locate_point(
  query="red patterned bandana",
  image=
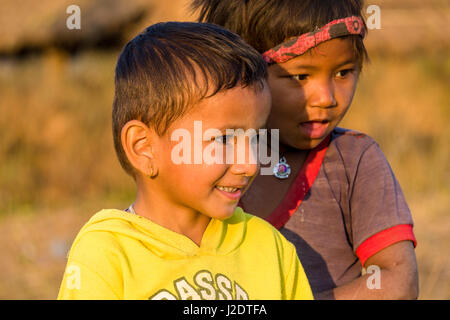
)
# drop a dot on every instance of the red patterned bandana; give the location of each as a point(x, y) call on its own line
point(299, 45)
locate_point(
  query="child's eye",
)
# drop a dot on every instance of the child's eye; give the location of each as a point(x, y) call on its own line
point(344, 73)
point(299, 77)
point(225, 139)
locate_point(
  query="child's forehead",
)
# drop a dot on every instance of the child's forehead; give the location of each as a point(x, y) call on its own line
point(335, 52)
point(234, 108)
point(299, 45)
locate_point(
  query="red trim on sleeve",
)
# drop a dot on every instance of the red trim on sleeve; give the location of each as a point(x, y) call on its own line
point(301, 185)
point(383, 239)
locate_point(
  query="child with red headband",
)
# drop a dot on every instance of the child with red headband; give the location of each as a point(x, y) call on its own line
point(333, 193)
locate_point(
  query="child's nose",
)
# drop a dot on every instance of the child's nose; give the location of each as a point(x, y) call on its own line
point(246, 163)
point(322, 94)
point(244, 169)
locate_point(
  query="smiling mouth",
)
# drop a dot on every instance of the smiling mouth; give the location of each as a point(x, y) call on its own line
point(227, 189)
point(232, 193)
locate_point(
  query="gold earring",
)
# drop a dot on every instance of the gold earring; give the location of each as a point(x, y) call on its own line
point(152, 174)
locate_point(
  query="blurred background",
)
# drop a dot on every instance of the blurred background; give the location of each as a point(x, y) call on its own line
point(57, 162)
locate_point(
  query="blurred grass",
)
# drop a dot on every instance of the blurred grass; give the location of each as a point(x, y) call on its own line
point(404, 103)
point(56, 141)
point(58, 165)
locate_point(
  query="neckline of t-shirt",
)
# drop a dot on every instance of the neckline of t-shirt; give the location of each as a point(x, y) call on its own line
point(213, 239)
point(301, 185)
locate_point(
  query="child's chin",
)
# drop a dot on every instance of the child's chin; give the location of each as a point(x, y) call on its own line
point(306, 144)
point(224, 213)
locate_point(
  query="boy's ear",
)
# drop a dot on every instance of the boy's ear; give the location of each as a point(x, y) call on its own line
point(137, 140)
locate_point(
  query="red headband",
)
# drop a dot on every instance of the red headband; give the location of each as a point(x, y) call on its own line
point(299, 45)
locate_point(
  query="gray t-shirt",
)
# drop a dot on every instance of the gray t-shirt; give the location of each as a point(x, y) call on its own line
point(354, 197)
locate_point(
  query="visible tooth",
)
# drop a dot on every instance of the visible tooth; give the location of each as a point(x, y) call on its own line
point(227, 189)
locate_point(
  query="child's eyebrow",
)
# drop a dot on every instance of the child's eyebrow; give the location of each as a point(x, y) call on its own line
point(305, 66)
point(235, 127)
point(348, 61)
point(225, 127)
point(301, 66)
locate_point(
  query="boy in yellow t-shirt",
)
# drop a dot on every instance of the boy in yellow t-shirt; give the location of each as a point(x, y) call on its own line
point(184, 237)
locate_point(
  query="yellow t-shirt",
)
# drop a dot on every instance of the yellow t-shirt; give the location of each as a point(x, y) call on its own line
point(119, 255)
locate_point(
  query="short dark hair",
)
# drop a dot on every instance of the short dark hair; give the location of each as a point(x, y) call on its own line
point(170, 67)
point(265, 24)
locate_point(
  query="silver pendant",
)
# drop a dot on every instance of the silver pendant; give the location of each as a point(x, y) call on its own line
point(282, 170)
